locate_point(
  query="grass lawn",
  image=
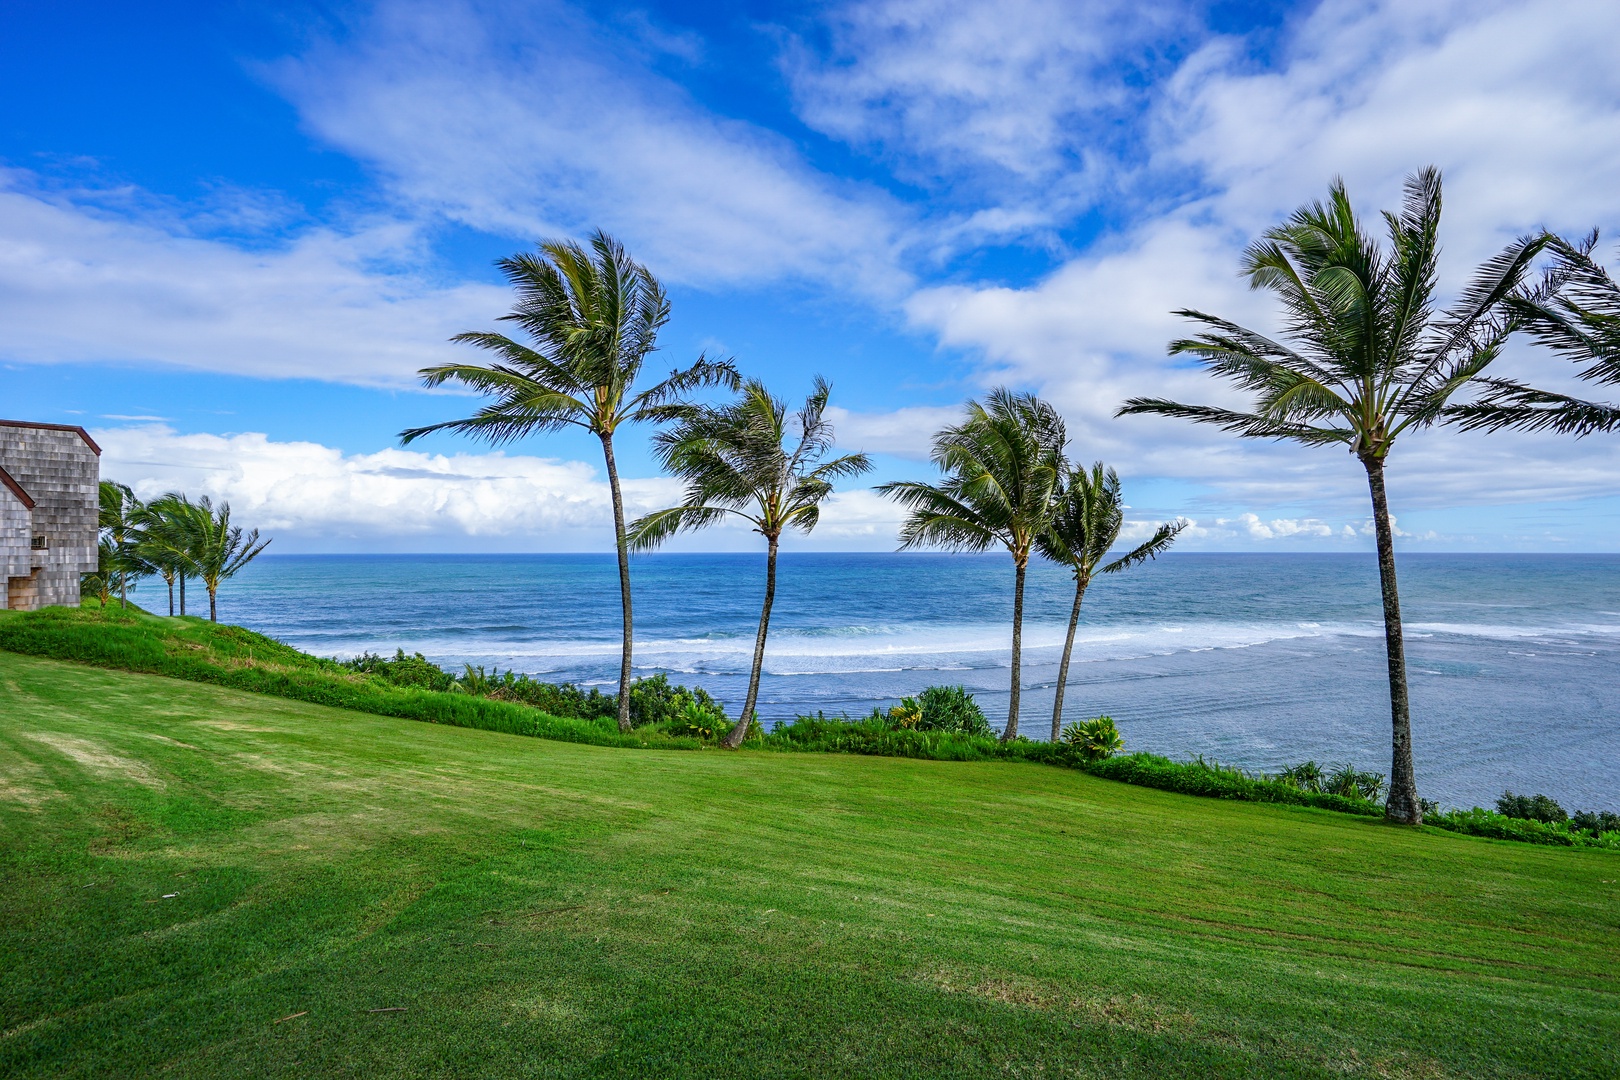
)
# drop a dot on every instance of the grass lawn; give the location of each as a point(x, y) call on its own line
point(181, 866)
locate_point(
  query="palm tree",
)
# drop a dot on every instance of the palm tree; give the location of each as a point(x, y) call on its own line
point(165, 540)
point(736, 461)
point(1365, 358)
point(1582, 322)
point(1003, 468)
point(593, 319)
point(215, 549)
point(1090, 513)
point(119, 519)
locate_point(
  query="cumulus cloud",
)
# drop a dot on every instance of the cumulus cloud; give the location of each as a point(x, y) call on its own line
point(316, 497)
point(1516, 102)
point(78, 283)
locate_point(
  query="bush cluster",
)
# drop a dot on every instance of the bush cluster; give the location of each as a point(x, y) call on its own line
point(654, 701)
point(1543, 809)
point(1345, 780)
point(938, 708)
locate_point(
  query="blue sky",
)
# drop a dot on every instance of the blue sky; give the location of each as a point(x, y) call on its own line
point(230, 235)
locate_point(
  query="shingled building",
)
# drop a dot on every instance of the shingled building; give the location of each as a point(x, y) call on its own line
point(50, 478)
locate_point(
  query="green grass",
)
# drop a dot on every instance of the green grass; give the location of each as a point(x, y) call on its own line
point(544, 908)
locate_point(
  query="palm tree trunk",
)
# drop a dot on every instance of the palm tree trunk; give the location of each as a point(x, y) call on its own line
point(1068, 650)
point(1011, 730)
point(213, 612)
point(740, 732)
point(624, 580)
point(1403, 805)
point(170, 581)
point(182, 594)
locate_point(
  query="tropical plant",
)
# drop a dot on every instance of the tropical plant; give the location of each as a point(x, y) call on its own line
point(1003, 467)
point(1346, 780)
point(1096, 738)
point(951, 708)
point(907, 714)
point(1085, 526)
point(1365, 357)
point(101, 583)
point(1580, 321)
point(167, 530)
point(217, 550)
point(736, 461)
point(1307, 776)
point(593, 318)
point(119, 518)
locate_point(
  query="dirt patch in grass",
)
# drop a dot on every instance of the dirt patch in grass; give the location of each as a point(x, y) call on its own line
point(95, 757)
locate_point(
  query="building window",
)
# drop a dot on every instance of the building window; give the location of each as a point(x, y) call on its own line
point(40, 544)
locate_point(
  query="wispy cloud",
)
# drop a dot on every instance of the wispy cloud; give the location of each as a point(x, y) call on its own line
point(78, 283)
point(526, 121)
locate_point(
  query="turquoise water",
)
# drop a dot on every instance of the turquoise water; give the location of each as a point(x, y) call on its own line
point(1258, 660)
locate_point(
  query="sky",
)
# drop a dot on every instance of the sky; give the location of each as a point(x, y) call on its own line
point(231, 233)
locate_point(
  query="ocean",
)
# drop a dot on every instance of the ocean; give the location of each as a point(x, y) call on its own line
point(1256, 660)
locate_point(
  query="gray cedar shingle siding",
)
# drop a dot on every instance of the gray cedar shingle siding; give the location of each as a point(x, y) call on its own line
point(59, 469)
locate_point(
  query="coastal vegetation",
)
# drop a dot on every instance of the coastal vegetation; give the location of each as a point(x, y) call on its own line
point(197, 881)
point(170, 537)
point(1003, 466)
point(593, 320)
point(1366, 357)
point(735, 461)
point(1085, 527)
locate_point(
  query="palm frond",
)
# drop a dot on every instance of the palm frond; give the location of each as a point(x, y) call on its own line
point(1513, 405)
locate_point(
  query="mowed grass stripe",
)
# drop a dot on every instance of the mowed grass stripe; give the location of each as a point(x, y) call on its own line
point(555, 909)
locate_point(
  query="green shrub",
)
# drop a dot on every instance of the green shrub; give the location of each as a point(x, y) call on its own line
point(951, 708)
point(415, 670)
point(1345, 780)
point(1530, 808)
point(1596, 822)
point(1307, 776)
point(1095, 739)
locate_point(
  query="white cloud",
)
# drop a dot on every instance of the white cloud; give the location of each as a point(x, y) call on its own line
point(316, 497)
point(946, 89)
point(906, 432)
point(1519, 104)
point(77, 284)
point(528, 122)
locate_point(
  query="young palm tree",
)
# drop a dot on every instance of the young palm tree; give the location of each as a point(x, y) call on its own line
point(1090, 513)
point(1365, 358)
point(217, 550)
point(1003, 468)
point(119, 520)
point(736, 460)
point(1582, 322)
point(164, 542)
point(593, 318)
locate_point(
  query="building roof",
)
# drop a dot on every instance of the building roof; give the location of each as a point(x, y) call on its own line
point(83, 434)
point(15, 488)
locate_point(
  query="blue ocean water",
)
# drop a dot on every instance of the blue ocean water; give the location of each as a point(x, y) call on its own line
point(1257, 660)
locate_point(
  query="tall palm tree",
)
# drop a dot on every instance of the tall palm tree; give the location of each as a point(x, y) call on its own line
point(593, 319)
point(1365, 357)
point(218, 550)
point(1581, 321)
point(1090, 514)
point(119, 519)
point(736, 460)
point(1003, 467)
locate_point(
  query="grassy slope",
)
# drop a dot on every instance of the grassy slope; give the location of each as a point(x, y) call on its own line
point(551, 909)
